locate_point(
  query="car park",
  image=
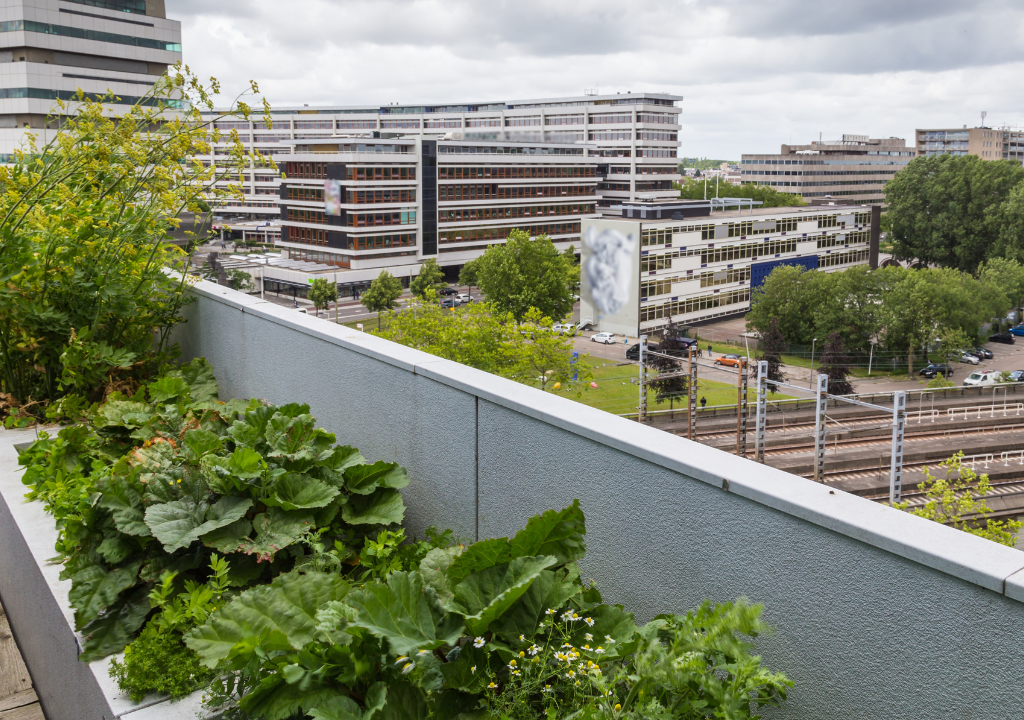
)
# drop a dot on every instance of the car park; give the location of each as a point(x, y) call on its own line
point(603, 337)
point(730, 360)
point(983, 377)
point(1003, 337)
point(932, 370)
point(965, 357)
point(981, 353)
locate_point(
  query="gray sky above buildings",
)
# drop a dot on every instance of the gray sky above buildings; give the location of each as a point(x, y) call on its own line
point(755, 73)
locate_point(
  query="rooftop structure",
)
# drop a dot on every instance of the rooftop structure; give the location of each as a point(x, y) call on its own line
point(1004, 143)
point(853, 169)
point(51, 48)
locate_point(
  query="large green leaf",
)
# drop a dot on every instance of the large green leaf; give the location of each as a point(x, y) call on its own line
point(225, 475)
point(198, 376)
point(434, 569)
point(400, 612)
point(250, 430)
point(116, 549)
point(281, 615)
point(332, 467)
point(298, 439)
point(551, 590)
point(94, 589)
point(556, 532)
point(276, 529)
point(110, 633)
point(341, 707)
point(122, 413)
point(276, 699)
point(468, 671)
point(298, 491)
point(405, 701)
point(198, 443)
point(230, 538)
point(384, 507)
point(364, 479)
point(178, 524)
point(125, 505)
point(608, 621)
point(479, 556)
point(484, 596)
point(167, 388)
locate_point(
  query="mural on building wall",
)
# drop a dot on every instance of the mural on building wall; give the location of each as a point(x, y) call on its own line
point(609, 268)
point(332, 197)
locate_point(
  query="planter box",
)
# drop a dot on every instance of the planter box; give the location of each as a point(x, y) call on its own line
point(41, 618)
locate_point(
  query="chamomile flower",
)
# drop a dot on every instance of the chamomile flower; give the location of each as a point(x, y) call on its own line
point(609, 693)
point(588, 637)
point(401, 660)
point(609, 639)
point(567, 616)
point(533, 649)
point(589, 621)
point(408, 668)
point(549, 612)
point(522, 654)
point(571, 674)
point(561, 657)
point(522, 638)
point(473, 669)
point(547, 688)
point(617, 707)
point(421, 653)
point(479, 642)
point(512, 664)
point(586, 647)
point(600, 650)
point(493, 685)
point(567, 645)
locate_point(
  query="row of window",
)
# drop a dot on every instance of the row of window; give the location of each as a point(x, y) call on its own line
point(692, 305)
point(502, 213)
point(306, 236)
point(83, 34)
point(502, 192)
point(399, 217)
point(746, 250)
point(318, 171)
point(515, 172)
point(316, 256)
point(858, 173)
point(651, 288)
point(749, 227)
point(848, 239)
point(373, 242)
point(656, 135)
point(724, 277)
point(500, 233)
point(844, 258)
point(390, 195)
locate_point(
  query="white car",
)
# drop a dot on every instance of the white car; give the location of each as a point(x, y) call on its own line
point(604, 337)
point(463, 298)
point(983, 377)
point(564, 328)
point(968, 358)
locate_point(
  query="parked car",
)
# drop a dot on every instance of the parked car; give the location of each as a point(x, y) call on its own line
point(1003, 337)
point(445, 292)
point(1016, 376)
point(450, 302)
point(566, 328)
point(463, 298)
point(1017, 329)
point(633, 351)
point(603, 337)
point(982, 353)
point(965, 357)
point(932, 370)
point(983, 377)
point(731, 360)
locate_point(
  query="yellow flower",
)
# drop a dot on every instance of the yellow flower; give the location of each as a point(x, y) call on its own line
point(617, 707)
point(512, 662)
point(522, 654)
point(493, 685)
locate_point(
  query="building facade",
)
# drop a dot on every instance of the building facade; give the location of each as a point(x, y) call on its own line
point(635, 134)
point(854, 169)
point(368, 203)
point(640, 274)
point(987, 143)
point(51, 48)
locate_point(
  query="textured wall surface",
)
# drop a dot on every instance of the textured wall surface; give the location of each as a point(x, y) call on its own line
point(878, 614)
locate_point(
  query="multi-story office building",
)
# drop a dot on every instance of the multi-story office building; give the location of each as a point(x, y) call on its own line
point(644, 270)
point(365, 203)
point(854, 169)
point(51, 48)
point(987, 143)
point(635, 134)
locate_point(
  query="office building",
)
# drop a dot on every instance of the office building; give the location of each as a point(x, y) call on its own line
point(635, 134)
point(698, 261)
point(987, 143)
point(367, 203)
point(51, 48)
point(854, 169)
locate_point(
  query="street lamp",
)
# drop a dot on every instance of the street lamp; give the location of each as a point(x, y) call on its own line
point(810, 383)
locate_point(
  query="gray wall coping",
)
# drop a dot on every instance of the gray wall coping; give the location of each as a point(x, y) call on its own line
point(66, 686)
point(990, 565)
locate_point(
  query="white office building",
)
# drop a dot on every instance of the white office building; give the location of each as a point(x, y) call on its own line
point(49, 49)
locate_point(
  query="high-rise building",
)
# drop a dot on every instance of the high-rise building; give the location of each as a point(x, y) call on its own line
point(697, 261)
point(49, 49)
point(854, 169)
point(987, 143)
point(635, 134)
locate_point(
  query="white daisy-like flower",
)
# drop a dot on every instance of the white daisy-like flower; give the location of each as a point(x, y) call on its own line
point(493, 685)
point(600, 650)
point(549, 612)
point(571, 674)
point(421, 653)
point(473, 669)
point(522, 638)
point(533, 650)
point(589, 621)
point(609, 639)
point(515, 672)
point(588, 637)
point(479, 642)
point(408, 668)
point(401, 660)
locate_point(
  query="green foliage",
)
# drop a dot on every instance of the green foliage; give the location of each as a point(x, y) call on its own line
point(241, 281)
point(469, 275)
point(521, 274)
point(503, 628)
point(704, 163)
point(835, 364)
point(958, 500)
point(322, 293)
point(430, 277)
point(383, 293)
point(770, 347)
point(83, 227)
point(162, 480)
point(955, 211)
point(670, 388)
point(694, 189)
point(479, 336)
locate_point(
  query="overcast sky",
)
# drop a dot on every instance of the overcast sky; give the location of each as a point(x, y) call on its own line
point(754, 73)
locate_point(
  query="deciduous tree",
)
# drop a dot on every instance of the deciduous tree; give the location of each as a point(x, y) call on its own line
point(322, 293)
point(693, 189)
point(383, 292)
point(430, 277)
point(770, 347)
point(836, 365)
point(468, 275)
point(526, 273)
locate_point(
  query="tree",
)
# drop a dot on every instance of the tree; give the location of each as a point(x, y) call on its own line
point(1009, 218)
point(322, 293)
point(523, 273)
point(431, 277)
point(835, 364)
point(788, 298)
point(241, 280)
point(468, 275)
point(83, 252)
point(383, 293)
point(693, 189)
point(944, 210)
point(962, 493)
point(1005, 277)
point(770, 346)
point(670, 388)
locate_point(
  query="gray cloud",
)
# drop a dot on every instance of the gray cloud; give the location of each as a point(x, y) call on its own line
point(754, 73)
